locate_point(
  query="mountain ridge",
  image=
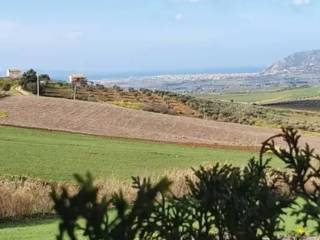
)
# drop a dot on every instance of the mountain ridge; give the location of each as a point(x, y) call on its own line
point(296, 63)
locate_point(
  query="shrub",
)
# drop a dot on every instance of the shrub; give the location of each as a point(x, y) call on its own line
point(304, 164)
point(157, 109)
point(129, 221)
point(131, 90)
point(223, 202)
point(32, 87)
point(100, 86)
point(6, 87)
point(117, 88)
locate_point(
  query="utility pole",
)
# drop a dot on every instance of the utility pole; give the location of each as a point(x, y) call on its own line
point(38, 85)
point(74, 91)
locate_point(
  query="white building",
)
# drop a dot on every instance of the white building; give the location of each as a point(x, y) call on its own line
point(78, 79)
point(13, 73)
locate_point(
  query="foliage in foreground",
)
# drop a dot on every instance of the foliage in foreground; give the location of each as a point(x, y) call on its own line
point(223, 202)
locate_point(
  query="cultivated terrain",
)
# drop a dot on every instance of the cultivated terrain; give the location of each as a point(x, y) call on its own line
point(117, 133)
point(108, 120)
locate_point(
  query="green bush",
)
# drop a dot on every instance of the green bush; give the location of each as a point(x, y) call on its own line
point(304, 166)
point(223, 202)
point(6, 87)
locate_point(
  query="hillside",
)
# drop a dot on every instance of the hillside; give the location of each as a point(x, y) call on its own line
point(201, 106)
point(109, 120)
point(142, 99)
point(307, 62)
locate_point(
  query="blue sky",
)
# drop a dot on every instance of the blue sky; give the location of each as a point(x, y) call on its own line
point(148, 35)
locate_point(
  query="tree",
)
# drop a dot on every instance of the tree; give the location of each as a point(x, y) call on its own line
point(44, 78)
point(29, 81)
point(29, 76)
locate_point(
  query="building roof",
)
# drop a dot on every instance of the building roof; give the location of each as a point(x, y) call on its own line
point(14, 70)
point(77, 76)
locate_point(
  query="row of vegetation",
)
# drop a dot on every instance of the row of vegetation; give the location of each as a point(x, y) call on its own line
point(176, 104)
point(222, 202)
point(249, 114)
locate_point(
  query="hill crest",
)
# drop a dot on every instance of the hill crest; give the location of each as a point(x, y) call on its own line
point(305, 62)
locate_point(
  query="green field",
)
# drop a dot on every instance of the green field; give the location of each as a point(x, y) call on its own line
point(47, 229)
point(38, 230)
point(56, 155)
point(262, 97)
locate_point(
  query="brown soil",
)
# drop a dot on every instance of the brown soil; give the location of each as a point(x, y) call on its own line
point(108, 120)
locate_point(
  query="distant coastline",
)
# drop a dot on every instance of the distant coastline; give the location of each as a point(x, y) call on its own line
point(99, 75)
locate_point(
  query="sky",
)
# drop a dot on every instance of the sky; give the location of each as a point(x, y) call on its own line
point(154, 35)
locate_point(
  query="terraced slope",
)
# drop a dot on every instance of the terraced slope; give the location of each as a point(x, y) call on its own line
point(109, 120)
point(143, 99)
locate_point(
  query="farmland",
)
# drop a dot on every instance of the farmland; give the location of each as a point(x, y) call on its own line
point(244, 108)
point(51, 155)
point(143, 99)
point(58, 155)
point(55, 156)
point(304, 105)
point(264, 97)
point(108, 120)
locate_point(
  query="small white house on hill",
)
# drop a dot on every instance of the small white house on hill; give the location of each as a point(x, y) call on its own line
point(78, 79)
point(13, 73)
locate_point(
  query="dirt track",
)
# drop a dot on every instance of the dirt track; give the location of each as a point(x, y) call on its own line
point(107, 120)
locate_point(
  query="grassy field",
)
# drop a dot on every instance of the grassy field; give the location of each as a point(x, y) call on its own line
point(56, 156)
point(47, 229)
point(38, 230)
point(262, 97)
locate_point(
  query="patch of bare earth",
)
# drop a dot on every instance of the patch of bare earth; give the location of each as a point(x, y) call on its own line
point(108, 120)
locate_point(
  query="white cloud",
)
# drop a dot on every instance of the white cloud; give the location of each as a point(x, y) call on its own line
point(301, 2)
point(179, 16)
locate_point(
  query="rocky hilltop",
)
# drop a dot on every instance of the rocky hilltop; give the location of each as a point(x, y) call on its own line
point(307, 62)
